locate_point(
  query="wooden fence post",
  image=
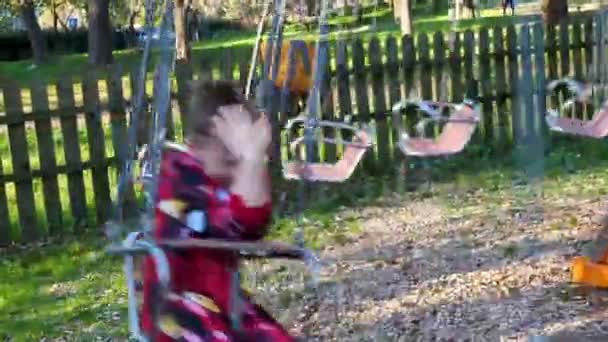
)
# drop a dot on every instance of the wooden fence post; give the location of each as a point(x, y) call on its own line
point(327, 111)
point(564, 51)
point(469, 55)
point(71, 143)
point(588, 47)
point(5, 223)
point(541, 92)
point(517, 125)
point(503, 121)
point(379, 98)
point(183, 72)
point(361, 91)
point(97, 147)
point(46, 154)
point(577, 47)
point(21, 163)
point(490, 124)
point(119, 138)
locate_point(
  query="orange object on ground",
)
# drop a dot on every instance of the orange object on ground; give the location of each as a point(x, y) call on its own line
point(591, 273)
point(301, 80)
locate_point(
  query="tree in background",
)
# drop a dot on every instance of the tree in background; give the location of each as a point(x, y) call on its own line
point(26, 9)
point(403, 13)
point(100, 32)
point(554, 11)
point(182, 49)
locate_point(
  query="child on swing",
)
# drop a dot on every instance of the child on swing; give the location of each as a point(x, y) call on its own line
point(217, 186)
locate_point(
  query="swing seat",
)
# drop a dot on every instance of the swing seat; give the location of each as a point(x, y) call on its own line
point(326, 172)
point(301, 80)
point(136, 244)
point(596, 128)
point(455, 135)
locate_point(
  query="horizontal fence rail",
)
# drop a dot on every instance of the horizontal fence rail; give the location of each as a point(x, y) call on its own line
point(61, 142)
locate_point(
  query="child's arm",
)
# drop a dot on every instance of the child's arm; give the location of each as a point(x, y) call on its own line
point(251, 182)
point(250, 202)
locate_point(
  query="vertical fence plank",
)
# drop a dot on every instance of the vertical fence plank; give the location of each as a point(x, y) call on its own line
point(21, 163)
point(600, 53)
point(48, 162)
point(169, 123)
point(517, 122)
point(143, 121)
point(471, 82)
point(541, 100)
point(285, 99)
point(588, 42)
point(327, 111)
point(425, 68)
point(455, 69)
point(394, 96)
point(343, 80)
point(119, 136)
point(552, 49)
point(408, 52)
point(577, 45)
point(69, 130)
point(439, 67)
point(362, 100)
point(489, 122)
point(5, 224)
point(96, 141)
point(226, 65)
point(183, 72)
point(377, 73)
point(343, 83)
point(526, 87)
point(424, 62)
point(564, 51)
point(243, 72)
point(532, 155)
point(392, 67)
point(502, 119)
point(440, 72)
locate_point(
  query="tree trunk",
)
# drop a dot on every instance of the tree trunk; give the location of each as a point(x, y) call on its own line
point(34, 33)
point(397, 10)
point(181, 40)
point(100, 32)
point(131, 34)
point(554, 11)
point(406, 18)
point(55, 16)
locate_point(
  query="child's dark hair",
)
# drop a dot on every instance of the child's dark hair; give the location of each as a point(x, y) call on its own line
point(206, 97)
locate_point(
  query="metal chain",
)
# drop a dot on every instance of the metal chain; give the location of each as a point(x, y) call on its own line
point(312, 108)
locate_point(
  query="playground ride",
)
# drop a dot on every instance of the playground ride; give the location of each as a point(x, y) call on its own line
point(582, 93)
point(459, 127)
point(139, 240)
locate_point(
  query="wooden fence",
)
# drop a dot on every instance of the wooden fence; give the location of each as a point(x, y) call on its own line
point(61, 142)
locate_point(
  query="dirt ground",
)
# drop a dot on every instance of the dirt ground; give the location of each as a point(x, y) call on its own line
point(417, 273)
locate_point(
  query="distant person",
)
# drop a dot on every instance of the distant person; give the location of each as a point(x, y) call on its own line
point(509, 3)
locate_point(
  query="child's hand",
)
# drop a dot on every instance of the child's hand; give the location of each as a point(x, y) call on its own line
point(243, 138)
